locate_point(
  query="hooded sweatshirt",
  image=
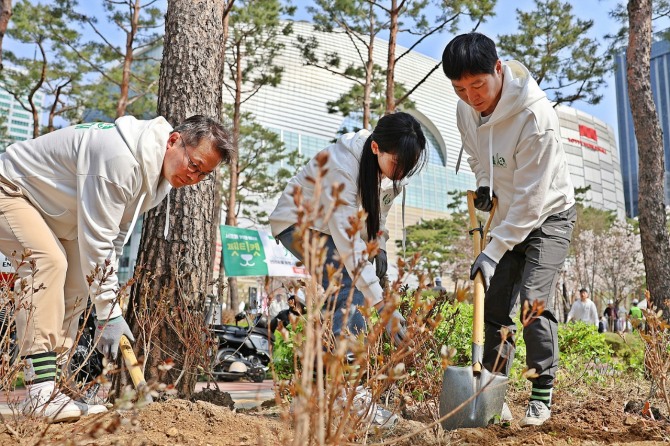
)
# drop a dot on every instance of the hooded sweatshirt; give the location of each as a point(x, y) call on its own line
point(518, 153)
point(90, 182)
point(343, 165)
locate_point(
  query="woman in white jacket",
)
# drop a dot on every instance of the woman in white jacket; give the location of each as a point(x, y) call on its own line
point(371, 167)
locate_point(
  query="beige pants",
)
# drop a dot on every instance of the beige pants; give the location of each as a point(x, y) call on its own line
point(56, 294)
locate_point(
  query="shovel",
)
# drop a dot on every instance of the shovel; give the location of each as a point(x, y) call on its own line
point(472, 396)
point(134, 369)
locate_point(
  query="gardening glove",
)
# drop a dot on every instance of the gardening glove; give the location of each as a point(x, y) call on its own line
point(396, 326)
point(108, 335)
point(483, 200)
point(381, 263)
point(486, 265)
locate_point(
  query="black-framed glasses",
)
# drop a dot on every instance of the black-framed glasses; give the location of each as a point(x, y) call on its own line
point(193, 167)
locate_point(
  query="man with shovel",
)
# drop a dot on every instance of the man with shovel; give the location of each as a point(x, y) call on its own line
point(510, 133)
point(69, 199)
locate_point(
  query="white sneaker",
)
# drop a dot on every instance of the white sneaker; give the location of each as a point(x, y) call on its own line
point(371, 412)
point(43, 400)
point(89, 409)
point(506, 415)
point(536, 414)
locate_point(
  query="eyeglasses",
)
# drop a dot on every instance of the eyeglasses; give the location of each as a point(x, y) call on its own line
point(193, 167)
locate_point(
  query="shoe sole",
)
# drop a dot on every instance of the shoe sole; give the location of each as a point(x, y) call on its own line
point(63, 418)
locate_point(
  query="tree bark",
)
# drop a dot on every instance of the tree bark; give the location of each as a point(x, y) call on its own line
point(648, 133)
point(177, 268)
point(5, 15)
point(122, 104)
point(390, 67)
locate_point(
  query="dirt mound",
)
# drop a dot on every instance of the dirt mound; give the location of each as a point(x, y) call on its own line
point(162, 423)
point(594, 416)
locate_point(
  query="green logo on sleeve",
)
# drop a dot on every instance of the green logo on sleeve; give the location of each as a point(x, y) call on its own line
point(96, 125)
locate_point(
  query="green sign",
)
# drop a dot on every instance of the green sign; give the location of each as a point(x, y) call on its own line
point(243, 253)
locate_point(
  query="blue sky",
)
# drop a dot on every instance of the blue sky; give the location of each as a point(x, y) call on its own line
point(504, 22)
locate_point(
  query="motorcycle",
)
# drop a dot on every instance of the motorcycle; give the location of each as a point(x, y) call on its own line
point(243, 352)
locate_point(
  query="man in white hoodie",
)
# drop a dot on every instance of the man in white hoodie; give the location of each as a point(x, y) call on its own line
point(69, 199)
point(511, 135)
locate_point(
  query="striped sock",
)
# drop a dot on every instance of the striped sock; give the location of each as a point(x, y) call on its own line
point(542, 393)
point(40, 368)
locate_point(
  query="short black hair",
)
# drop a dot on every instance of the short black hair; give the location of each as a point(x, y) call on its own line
point(469, 54)
point(583, 290)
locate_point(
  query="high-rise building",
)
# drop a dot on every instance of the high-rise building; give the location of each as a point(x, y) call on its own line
point(18, 122)
point(660, 87)
point(297, 110)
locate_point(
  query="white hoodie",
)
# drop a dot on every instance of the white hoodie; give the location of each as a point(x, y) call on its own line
point(343, 165)
point(90, 182)
point(518, 153)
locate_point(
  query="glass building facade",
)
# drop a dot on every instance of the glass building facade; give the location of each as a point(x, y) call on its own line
point(660, 87)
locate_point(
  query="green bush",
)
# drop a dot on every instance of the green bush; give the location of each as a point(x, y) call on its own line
point(584, 352)
point(284, 349)
point(455, 331)
point(628, 348)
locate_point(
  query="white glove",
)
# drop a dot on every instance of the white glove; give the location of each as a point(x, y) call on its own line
point(108, 335)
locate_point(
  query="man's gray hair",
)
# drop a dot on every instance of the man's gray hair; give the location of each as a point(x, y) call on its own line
point(199, 127)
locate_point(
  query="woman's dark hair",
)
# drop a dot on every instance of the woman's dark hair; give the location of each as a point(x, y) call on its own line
point(469, 54)
point(398, 134)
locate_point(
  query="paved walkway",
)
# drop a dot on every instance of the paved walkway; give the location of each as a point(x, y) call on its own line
point(245, 394)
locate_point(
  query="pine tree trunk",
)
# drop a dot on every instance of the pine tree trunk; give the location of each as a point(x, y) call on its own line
point(653, 232)
point(178, 267)
point(5, 15)
point(390, 70)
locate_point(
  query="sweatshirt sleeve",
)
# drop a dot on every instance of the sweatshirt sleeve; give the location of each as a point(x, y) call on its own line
point(536, 160)
point(100, 212)
point(351, 249)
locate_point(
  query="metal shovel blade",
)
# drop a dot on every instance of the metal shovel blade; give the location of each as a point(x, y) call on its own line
point(472, 398)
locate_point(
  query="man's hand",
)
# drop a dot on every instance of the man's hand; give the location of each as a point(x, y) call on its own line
point(483, 200)
point(381, 263)
point(487, 266)
point(108, 334)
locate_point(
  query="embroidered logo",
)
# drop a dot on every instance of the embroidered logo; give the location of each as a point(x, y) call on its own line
point(97, 125)
point(499, 161)
point(386, 199)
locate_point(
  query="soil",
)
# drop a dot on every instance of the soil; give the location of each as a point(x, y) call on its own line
point(592, 416)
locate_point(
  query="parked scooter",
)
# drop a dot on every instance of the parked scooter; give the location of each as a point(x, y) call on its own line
point(243, 352)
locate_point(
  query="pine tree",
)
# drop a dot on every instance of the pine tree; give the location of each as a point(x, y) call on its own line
point(128, 72)
point(251, 49)
point(649, 136)
point(178, 267)
point(49, 68)
point(553, 44)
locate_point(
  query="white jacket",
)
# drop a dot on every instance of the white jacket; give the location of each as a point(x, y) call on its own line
point(584, 311)
point(343, 165)
point(518, 153)
point(90, 182)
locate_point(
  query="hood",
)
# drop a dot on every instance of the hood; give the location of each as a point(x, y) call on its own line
point(147, 141)
point(354, 142)
point(519, 91)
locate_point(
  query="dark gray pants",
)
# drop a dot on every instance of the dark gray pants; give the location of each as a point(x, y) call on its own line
point(530, 271)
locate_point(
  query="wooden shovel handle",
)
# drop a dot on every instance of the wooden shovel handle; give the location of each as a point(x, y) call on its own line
point(135, 371)
point(479, 242)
